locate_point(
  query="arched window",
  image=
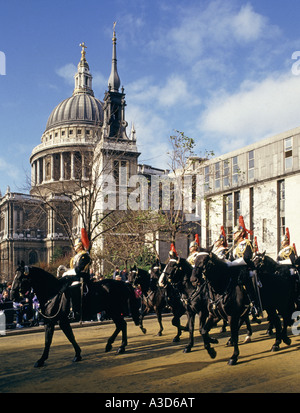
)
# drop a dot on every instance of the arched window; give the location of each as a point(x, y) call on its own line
point(33, 257)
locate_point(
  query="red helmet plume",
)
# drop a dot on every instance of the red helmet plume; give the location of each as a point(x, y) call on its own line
point(223, 235)
point(242, 225)
point(85, 239)
point(197, 239)
point(255, 244)
point(173, 249)
point(287, 233)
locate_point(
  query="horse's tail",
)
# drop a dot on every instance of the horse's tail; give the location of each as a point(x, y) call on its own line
point(134, 305)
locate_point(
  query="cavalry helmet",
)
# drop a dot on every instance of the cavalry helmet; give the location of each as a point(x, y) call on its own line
point(78, 244)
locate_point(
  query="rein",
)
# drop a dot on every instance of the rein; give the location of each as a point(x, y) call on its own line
point(58, 311)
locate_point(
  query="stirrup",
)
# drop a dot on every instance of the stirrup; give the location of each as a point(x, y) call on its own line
point(71, 315)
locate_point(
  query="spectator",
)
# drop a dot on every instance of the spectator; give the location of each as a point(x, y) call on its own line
point(124, 275)
point(116, 272)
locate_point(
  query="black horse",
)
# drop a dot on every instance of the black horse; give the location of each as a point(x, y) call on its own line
point(227, 298)
point(279, 295)
point(157, 298)
point(115, 297)
point(194, 296)
point(153, 297)
point(177, 274)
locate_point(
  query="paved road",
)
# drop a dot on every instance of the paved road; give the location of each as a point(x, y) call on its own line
point(151, 364)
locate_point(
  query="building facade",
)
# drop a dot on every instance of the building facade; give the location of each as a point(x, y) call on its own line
point(260, 182)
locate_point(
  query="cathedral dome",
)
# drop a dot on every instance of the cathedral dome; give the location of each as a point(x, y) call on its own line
point(79, 108)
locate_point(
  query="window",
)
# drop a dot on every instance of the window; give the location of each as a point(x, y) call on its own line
point(288, 153)
point(226, 171)
point(217, 176)
point(281, 209)
point(235, 170)
point(251, 165)
point(228, 215)
point(206, 179)
point(237, 207)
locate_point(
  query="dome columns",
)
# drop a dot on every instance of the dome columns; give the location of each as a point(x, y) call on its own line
point(63, 166)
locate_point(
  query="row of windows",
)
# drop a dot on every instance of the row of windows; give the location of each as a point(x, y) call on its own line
point(226, 173)
point(232, 210)
point(71, 132)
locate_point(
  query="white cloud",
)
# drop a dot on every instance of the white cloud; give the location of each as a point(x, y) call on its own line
point(202, 31)
point(67, 72)
point(248, 25)
point(257, 110)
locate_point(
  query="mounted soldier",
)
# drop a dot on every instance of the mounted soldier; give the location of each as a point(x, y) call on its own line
point(287, 254)
point(193, 251)
point(242, 255)
point(220, 247)
point(78, 273)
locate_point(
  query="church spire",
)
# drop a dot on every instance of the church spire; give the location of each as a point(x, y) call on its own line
point(114, 80)
point(83, 78)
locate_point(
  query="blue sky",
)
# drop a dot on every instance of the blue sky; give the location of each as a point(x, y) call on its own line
point(219, 71)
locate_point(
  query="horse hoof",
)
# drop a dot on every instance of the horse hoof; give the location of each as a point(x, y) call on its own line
point(187, 350)
point(232, 362)
point(212, 352)
point(229, 343)
point(159, 334)
point(39, 363)
point(108, 348)
point(76, 359)
point(287, 341)
point(213, 340)
point(121, 350)
point(275, 347)
point(269, 332)
point(176, 340)
point(247, 339)
point(144, 331)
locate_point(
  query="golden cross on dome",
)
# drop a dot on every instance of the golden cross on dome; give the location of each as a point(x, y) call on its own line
point(83, 50)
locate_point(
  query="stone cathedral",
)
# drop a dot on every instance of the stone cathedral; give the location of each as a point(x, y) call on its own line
point(73, 129)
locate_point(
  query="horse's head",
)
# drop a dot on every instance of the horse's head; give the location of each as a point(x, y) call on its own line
point(133, 275)
point(200, 266)
point(21, 283)
point(173, 272)
point(263, 262)
point(156, 270)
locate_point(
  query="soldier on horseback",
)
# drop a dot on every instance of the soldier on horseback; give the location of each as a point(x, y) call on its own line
point(220, 247)
point(287, 253)
point(78, 273)
point(242, 255)
point(194, 245)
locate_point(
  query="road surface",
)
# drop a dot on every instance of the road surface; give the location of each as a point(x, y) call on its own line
point(150, 364)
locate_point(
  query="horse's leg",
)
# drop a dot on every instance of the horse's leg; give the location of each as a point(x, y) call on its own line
point(275, 321)
point(191, 324)
point(249, 328)
point(234, 330)
point(144, 312)
point(223, 329)
point(49, 330)
point(159, 319)
point(286, 323)
point(67, 329)
point(206, 338)
point(120, 325)
point(123, 326)
point(176, 323)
